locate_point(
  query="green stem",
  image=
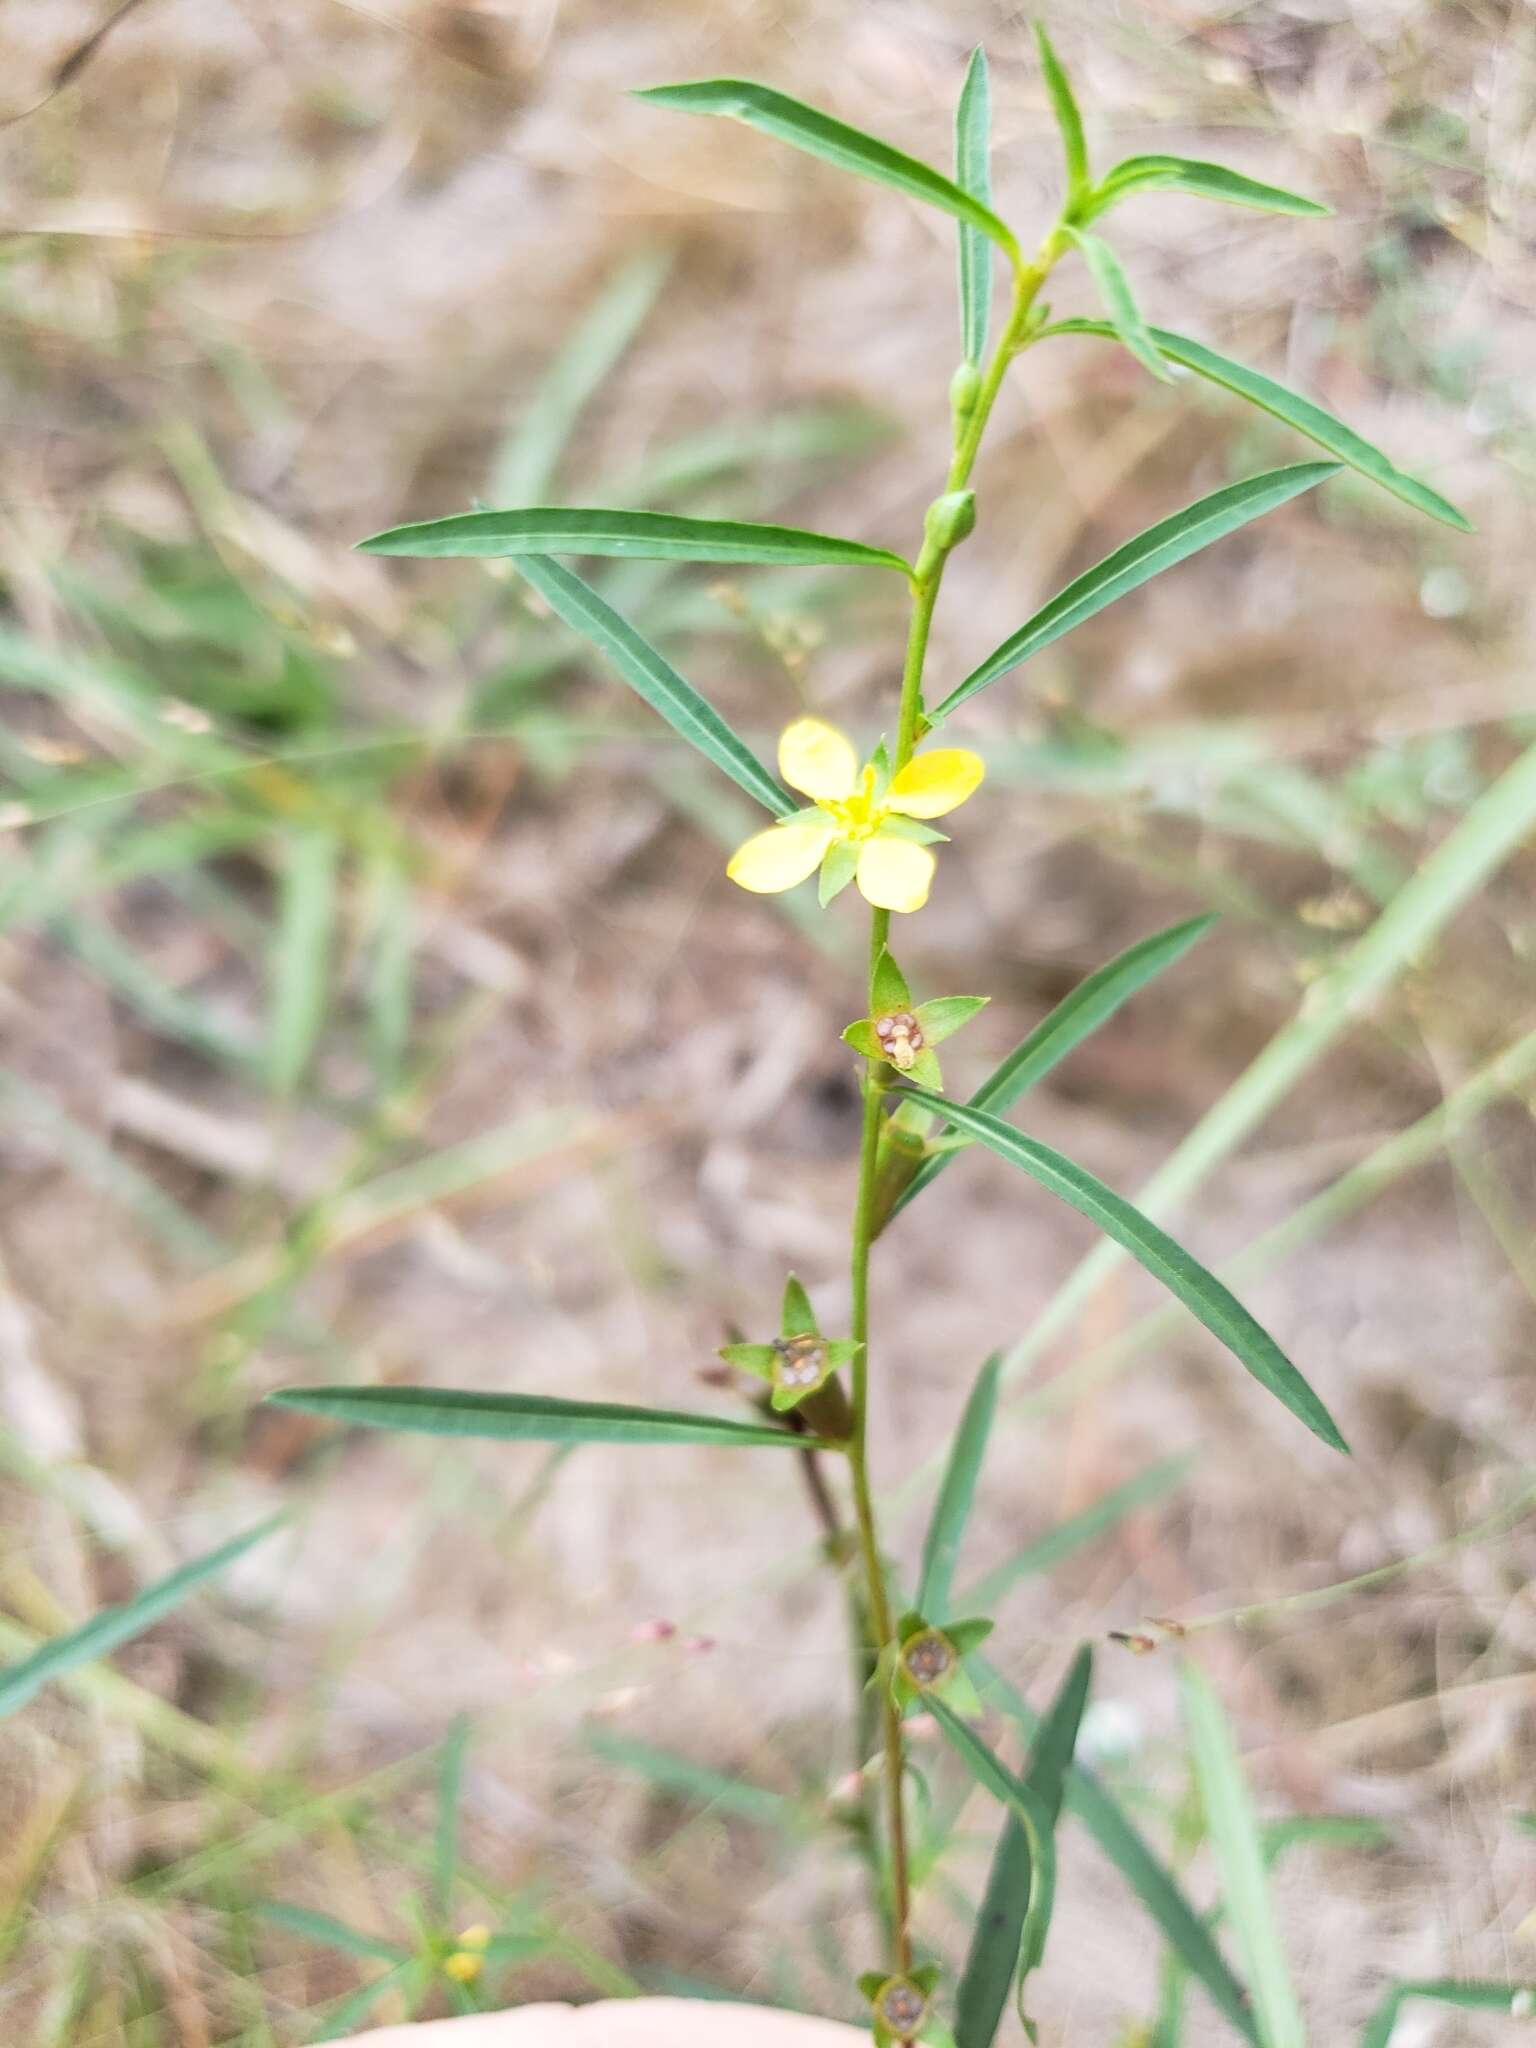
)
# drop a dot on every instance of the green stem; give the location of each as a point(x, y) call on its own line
point(925, 593)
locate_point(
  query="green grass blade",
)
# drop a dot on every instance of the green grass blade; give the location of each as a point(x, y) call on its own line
point(527, 1418)
point(850, 149)
point(1202, 181)
point(1295, 411)
point(1234, 1832)
point(329, 1933)
point(1492, 829)
point(530, 457)
point(680, 1775)
point(1201, 1292)
point(302, 953)
point(952, 1508)
point(342, 2020)
point(1091, 1522)
point(1068, 119)
point(997, 1943)
point(1160, 547)
point(445, 1839)
point(1515, 2000)
point(1158, 1890)
point(114, 1626)
point(1093, 1002)
point(973, 172)
point(653, 678)
point(1119, 301)
point(649, 536)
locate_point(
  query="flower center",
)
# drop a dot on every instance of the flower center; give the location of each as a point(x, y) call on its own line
point(861, 815)
point(800, 1361)
point(928, 1657)
point(903, 2007)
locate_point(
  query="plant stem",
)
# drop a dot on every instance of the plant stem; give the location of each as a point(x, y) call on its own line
point(925, 594)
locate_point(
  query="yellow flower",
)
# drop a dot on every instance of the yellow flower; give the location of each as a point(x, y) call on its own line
point(864, 828)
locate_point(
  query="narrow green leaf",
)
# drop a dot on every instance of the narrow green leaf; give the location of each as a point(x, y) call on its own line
point(957, 1491)
point(1119, 300)
point(114, 1626)
point(304, 946)
point(670, 1772)
point(1076, 1017)
point(1234, 1831)
point(1068, 119)
point(648, 536)
point(1091, 1522)
point(1152, 1882)
point(802, 127)
point(329, 1933)
point(1202, 181)
point(1025, 1806)
point(527, 1418)
point(996, 1942)
point(1515, 2000)
point(652, 677)
point(1294, 410)
point(1201, 1292)
point(445, 1843)
point(343, 2017)
point(529, 458)
point(973, 173)
point(1170, 541)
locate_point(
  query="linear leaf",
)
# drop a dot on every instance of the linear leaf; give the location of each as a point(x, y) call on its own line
point(529, 458)
point(1234, 1831)
point(1301, 413)
point(1092, 1521)
point(303, 948)
point(1152, 1882)
point(599, 530)
point(1076, 1017)
point(445, 1839)
point(116, 1625)
point(802, 127)
point(1068, 119)
point(1471, 1996)
point(343, 2017)
point(1201, 1292)
point(957, 1490)
point(1160, 547)
point(973, 173)
point(527, 1418)
point(679, 1774)
point(1203, 181)
point(652, 677)
point(1021, 1801)
point(1119, 300)
point(329, 1933)
point(996, 1943)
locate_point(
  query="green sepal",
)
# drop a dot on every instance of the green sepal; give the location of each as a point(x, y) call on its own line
point(926, 1062)
point(861, 1036)
point(969, 1635)
point(871, 1983)
point(911, 1624)
point(898, 826)
point(944, 1015)
point(883, 2037)
point(839, 864)
point(926, 1977)
point(936, 2035)
point(880, 761)
point(888, 985)
point(758, 1358)
point(796, 1317)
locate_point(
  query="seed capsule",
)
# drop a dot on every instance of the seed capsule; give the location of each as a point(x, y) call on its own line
point(801, 1360)
point(902, 2007)
point(928, 1658)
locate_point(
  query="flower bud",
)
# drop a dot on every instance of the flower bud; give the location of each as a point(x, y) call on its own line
point(964, 390)
point(949, 519)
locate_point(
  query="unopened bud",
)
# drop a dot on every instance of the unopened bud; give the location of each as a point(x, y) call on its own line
point(964, 390)
point(949, 519)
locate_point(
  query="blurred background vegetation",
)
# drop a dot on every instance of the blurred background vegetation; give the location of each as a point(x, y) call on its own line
point(374, 1005)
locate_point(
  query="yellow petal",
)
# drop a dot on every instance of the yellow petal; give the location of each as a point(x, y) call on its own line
point(781, 856)
point(894, 874)
point(936, 782)
point(815, 759)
